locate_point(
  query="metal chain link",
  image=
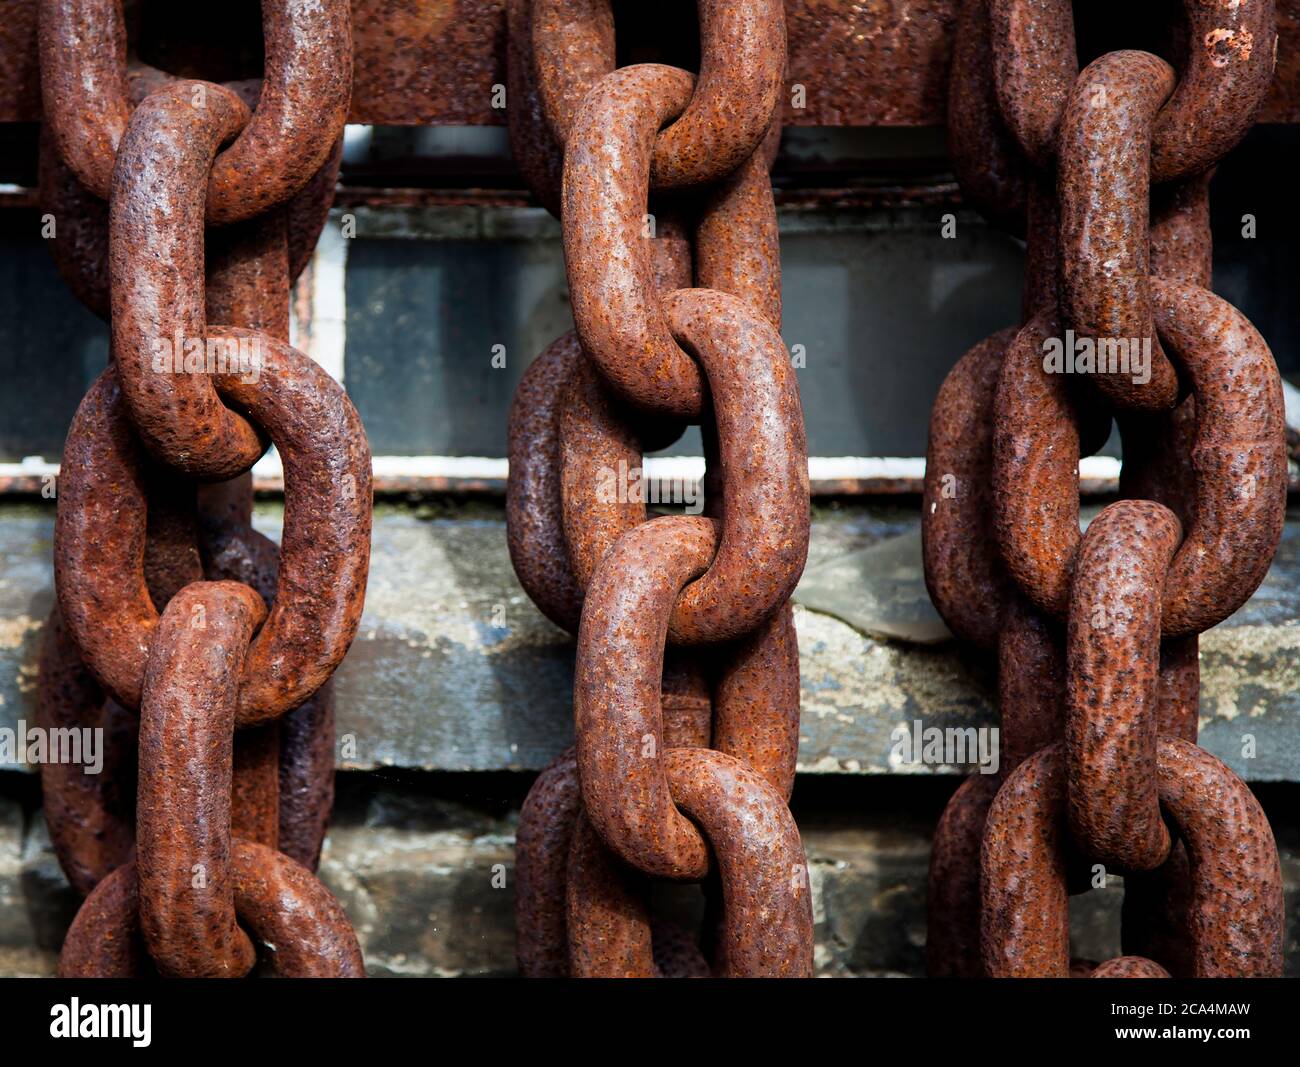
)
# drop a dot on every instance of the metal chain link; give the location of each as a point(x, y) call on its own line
point(686, 696)
point(170, 607)
point(1106, 172)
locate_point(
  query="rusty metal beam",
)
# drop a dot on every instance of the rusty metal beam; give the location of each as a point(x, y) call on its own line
point(20, 78)
point(435, 62)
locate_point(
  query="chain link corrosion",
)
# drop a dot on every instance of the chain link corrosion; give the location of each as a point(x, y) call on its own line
point(686, 695)
point(186, 209)
point(1106, 171)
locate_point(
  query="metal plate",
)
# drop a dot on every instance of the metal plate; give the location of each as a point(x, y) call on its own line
point(876, 63)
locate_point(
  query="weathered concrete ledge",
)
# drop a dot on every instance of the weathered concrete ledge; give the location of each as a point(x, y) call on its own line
point(455, 670)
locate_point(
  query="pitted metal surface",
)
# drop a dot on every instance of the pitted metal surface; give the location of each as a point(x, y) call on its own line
point(1106, 171)
point(686, 691)
point(178, 613)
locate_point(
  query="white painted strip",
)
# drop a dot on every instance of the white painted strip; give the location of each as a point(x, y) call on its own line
point(468, 467)
point(356, 142)
point(488, 468)
point(329, 299)
point(30, 467)
point(842, 468)
point(1100, 468)
point(269, 467)
point(1291, 404)
point(669, 468)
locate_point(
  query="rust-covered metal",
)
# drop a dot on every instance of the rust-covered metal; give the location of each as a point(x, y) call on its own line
point(90, 818)
point(1114, 677)
point(156, 274)
point(1236, 910)
point(609, 933)
point(767, 922)
point(686, 701)
point(883, 64)
point(305, 786)
point(766, 925)
point(963, 572)
point(542, 843)
point(1036, 450)
point(742, 61)
point(183, 830)
point(300, 111)
point(1179, 232)
point(283, 905)
point(534, 512)
point(595, 443)
point(617, 719)
point(572, 47)
point(1035, 67)
point(1106, 171)
point(1230, 63)
point(325, 546)
point(1104, 188)
point(756, 702)
point(178, 611)
point(761, 465)
point(952, 941)
point(686, 696)
point(984, 154)
point(286, 907)
point(616, 306)
point(1032, 676)
point(1129, 967)
point(1239, 489)
point(1223, 81)
point(104, 940)
point(1239, 457)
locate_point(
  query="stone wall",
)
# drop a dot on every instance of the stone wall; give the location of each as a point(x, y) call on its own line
point(412, 858)
point(457, 691)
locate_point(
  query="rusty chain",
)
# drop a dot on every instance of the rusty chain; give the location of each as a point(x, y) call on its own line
point(1105, 171)
point(686, 696)
point(204, 651)
point(187, 209)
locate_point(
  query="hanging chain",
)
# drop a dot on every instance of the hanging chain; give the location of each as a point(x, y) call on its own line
point(201, 649)
point(686, 695)
point(1105, 171)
